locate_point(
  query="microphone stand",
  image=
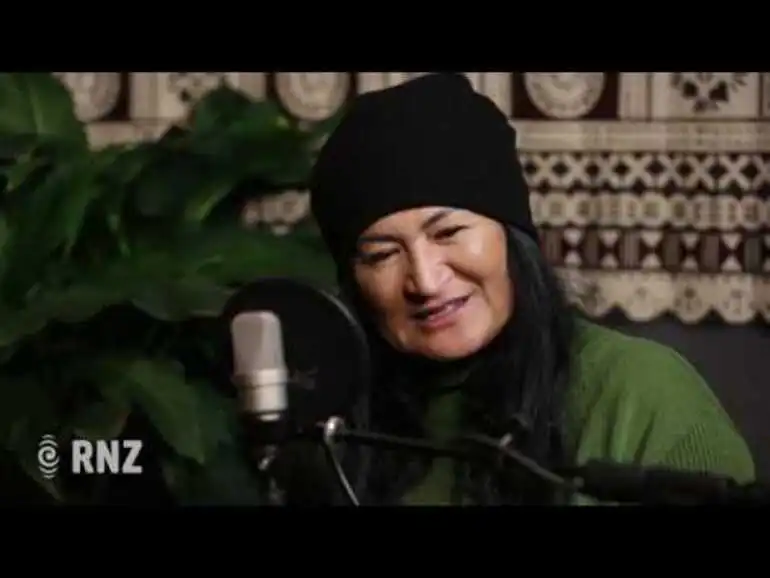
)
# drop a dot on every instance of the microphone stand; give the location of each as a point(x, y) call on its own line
point(263, 438)
point(604, 481)
point(334, 430)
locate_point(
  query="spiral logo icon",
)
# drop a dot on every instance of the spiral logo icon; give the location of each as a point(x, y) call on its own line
point(48, 456)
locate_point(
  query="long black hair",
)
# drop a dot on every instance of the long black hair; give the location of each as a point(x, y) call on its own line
point(516, 385)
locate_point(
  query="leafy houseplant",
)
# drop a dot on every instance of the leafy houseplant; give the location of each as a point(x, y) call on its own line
point(114, 266)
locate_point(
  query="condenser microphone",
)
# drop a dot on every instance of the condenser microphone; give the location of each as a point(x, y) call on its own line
point(289, 392)
point(259, 368)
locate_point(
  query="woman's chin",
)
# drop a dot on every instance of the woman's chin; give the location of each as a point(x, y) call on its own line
point(452, 344)
point(451, 350)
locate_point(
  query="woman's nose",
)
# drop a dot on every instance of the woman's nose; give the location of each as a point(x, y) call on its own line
point(428, 272)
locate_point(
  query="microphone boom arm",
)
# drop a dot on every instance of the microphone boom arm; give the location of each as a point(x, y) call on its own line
point(640, 485)
point(604, 481)
point(630, 484)
point(335, 430)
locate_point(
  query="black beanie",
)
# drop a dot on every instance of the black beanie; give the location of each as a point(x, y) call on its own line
point(431, 141)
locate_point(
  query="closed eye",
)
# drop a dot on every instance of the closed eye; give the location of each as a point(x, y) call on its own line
point(378, 257)
point(448, 232)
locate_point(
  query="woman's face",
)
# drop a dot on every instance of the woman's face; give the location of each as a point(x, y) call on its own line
point(436, 280)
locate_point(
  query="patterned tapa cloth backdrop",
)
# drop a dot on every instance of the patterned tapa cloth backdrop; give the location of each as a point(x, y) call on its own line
point(650, 189)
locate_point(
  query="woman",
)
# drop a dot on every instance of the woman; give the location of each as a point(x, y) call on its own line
point(422, 202)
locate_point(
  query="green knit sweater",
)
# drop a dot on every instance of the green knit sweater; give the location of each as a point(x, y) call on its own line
point(631, 400)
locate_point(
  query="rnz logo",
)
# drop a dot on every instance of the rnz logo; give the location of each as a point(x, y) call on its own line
point(48, 456)
point(91, 457)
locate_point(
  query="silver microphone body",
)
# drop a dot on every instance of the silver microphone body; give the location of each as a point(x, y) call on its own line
point(263, 393)
point(259, 368)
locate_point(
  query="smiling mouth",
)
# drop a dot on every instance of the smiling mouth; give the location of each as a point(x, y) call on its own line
point(445, 308)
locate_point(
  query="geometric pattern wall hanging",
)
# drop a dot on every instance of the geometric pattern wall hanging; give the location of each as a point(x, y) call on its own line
point(651, 190)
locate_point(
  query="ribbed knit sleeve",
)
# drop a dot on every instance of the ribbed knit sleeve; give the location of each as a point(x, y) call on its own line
point(715, 450)
point(640, 402)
